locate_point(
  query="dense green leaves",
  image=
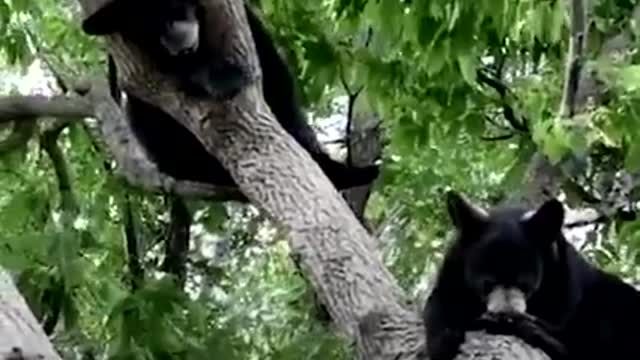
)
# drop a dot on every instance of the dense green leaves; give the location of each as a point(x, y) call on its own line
point(417, 62)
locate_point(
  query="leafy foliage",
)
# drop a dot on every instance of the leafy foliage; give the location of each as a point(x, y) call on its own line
point(420, 64)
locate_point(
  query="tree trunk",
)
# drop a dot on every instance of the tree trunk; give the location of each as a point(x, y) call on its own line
point(277, 175)
point(21, 336)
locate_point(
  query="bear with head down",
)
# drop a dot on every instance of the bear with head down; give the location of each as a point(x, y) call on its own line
point(510, 270)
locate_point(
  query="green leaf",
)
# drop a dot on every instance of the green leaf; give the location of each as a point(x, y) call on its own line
point(70, 311)
point(554, 141)
point(558, 13)
point(214, 217)
point(629, 77)
point(632, 158)
point(467, 65)
point(437, 58)
point(428, 30)
point(475, 123)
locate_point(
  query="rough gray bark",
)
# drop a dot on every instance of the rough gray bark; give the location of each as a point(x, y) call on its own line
point(276, 174)
point(480, 345)
point(133, 163)
point(113, 131)
point(21, 336)
point(12, 107)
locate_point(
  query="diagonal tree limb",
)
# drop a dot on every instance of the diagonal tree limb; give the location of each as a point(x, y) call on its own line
point(21, 336)
point(276, 174)
point(133, 164)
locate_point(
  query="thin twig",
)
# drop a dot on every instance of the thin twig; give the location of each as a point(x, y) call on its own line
point(367, 42)
point(496, 123)
point(586, 222)
point(353, 96)
point(507, 110)
point(498, 137)
point(136, 268)
point(575, 58)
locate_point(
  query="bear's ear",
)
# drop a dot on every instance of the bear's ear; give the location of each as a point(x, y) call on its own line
point(546, 222)
point(464, 214)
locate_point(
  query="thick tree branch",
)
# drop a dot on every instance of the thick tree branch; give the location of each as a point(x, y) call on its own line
point(275, 173)
point(22, 108)
point(134, 165)
point(133, 162)
point(21, 336)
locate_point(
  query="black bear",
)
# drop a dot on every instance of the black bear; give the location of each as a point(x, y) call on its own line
point(515, 263)
point(170, 31)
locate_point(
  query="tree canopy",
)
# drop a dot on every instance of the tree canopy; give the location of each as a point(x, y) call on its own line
point(470, 95)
